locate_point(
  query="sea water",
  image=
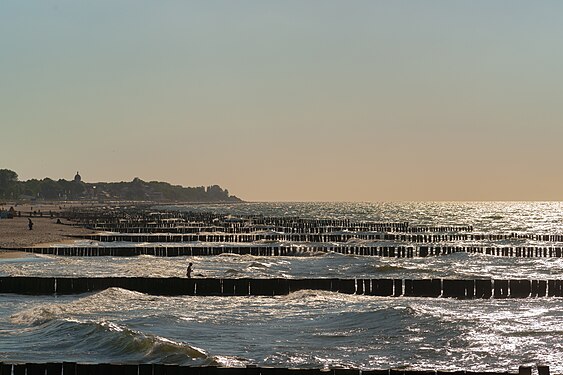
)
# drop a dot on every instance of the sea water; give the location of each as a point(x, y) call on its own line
point(309, 329)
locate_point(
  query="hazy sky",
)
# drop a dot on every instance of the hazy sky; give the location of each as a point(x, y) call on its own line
point(289, 100)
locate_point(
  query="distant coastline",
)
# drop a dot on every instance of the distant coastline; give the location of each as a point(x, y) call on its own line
point(47, 189)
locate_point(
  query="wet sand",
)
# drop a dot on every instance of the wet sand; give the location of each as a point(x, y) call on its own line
point(8, 254)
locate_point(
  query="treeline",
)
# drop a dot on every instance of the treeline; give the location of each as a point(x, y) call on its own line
point(12, 189)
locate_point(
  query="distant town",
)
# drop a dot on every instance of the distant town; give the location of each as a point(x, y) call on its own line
point(11, 189)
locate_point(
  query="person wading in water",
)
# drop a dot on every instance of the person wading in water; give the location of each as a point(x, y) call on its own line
point(189, 271)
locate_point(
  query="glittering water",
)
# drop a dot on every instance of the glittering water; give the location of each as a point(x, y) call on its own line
point(306, 328)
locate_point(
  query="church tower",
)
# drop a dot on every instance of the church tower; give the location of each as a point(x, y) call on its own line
point(77, 178)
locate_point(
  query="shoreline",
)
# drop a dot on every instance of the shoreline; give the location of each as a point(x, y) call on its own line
point(15, 233)
point(12, 254)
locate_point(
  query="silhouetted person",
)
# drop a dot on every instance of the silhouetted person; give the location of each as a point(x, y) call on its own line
point(30, 224)
point(189, 271)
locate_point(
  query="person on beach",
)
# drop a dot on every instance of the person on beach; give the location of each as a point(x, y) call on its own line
point(30, 224)
point(189, 271)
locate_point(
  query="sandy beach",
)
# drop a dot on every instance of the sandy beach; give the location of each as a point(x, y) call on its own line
point(14, 233)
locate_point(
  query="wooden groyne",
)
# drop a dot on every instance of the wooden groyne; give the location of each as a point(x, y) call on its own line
point(172, 286)
point(312, 237)
point(142, 225)
point(143, 218)
point(297, 250)
point(73, 368)
point(227, 227)
point(121, 220)
point(196, 228)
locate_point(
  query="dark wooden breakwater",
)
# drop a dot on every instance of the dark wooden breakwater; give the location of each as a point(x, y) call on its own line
point(169, 234)
point(72, 368)
point(136, 225)
point(297, 250)
point(311, 237)
point(444, 288)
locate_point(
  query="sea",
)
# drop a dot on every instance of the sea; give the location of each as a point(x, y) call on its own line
point(305, 329)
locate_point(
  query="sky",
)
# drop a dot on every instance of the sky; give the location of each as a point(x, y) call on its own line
point(293, 100)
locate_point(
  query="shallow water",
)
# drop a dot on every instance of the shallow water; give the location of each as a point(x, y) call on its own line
point(306, 328)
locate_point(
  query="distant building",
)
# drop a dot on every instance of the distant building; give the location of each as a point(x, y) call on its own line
point(77, 178)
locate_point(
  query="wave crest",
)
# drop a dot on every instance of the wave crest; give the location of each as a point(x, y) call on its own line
point(92, 303)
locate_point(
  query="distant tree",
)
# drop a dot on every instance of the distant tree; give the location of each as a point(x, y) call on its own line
point(50, 189)
point(216, 193)
point(8, 183)
point(31, 187)
point(7, 176)
point(135, 190)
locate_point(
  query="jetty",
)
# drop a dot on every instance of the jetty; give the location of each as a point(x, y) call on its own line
point(174, 286)
point(73, 368)
point(292, 250)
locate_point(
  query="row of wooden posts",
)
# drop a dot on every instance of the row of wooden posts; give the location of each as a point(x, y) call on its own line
point(444, 288)
point(116, 219)
point(309, 237)
point(108, 218)
point(73, 368)
point(180, 227)
point(331, 233)
point(381, 251)
point(243, 228)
